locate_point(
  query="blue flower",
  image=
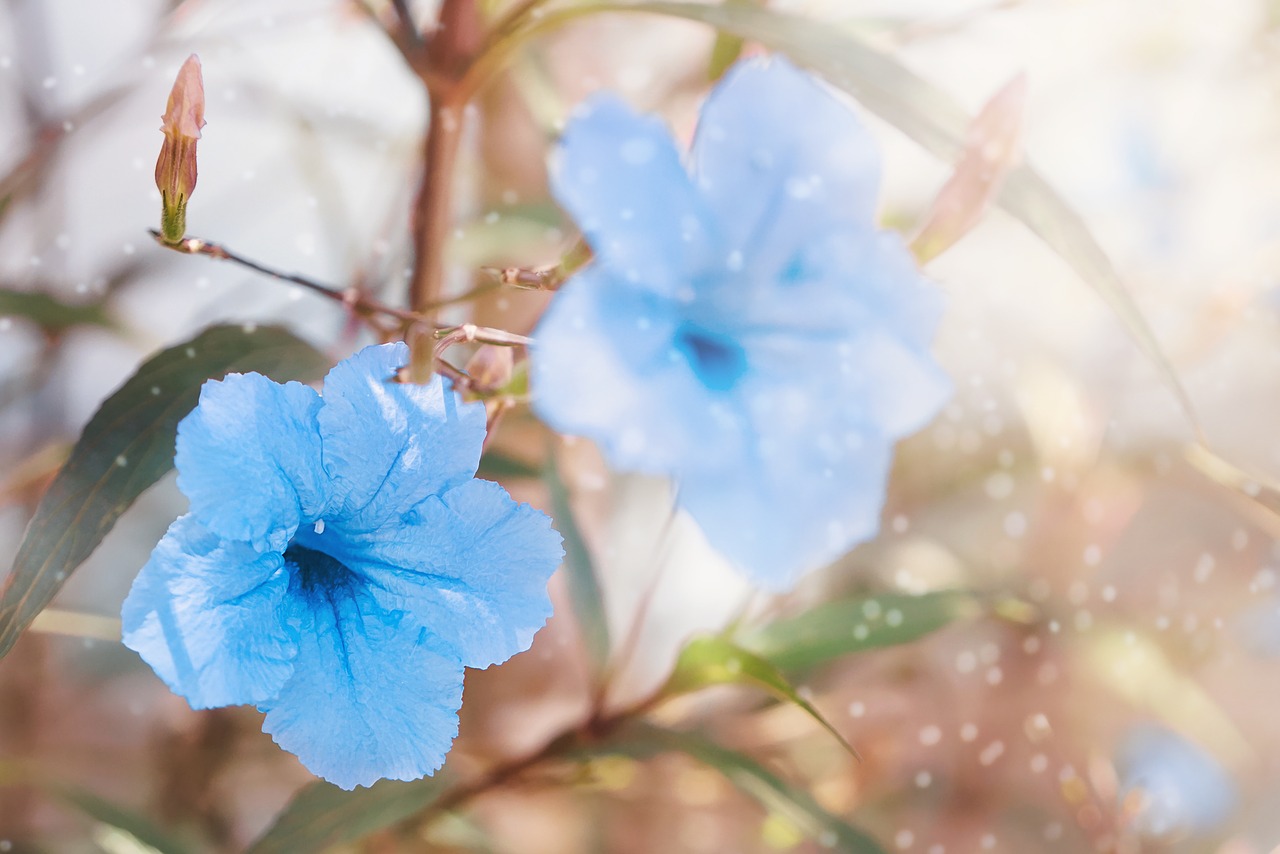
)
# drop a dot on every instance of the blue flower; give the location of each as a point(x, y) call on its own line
point(1173, 787)
point(340, 566)
point(744, 327)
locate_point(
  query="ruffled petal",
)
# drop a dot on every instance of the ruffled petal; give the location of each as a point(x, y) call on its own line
point(472, 565)
point(605, 366)
point(248, 458)
point(620, 177)
point(370, 696)
point(388, 445)
point(779, 158)
point(205, 613)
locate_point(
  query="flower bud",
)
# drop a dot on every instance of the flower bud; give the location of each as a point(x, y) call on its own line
point(176, 169)
point(491, 367)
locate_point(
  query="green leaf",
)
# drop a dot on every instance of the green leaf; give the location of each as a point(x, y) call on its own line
point(643, 741)
point(580, 572)
point(137, 826)
point(726, 50)
point(51, 314)
point(714, 660)
point(126, 447)
point(846, 626)
point(322, 815)
point(497, 465)
point(921, 111)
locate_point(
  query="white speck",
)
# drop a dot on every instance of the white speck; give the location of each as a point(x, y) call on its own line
point(999, 486)
point(734, 261)
point(1109, 593)
point(1204, 568)
point(988, 841)
point(968, 732)
point(1015, 525)
point(893, 617)
point(190, 352)
point(5, 61)
point(127, 249)
point(148, 61)
point(6, 323)
point(923, 780)
point(966, 662)
point(1038, 763)
point(1092, 555)
point(122, 461)
point(319, 528)
point(857, 709)
point(991, 753)
point(250, 328)
point(155, 391)
point(904, 839)
point(62, 241)
point(930, 735)
point(1053, 831)
point(49, 82)
point(871, 609)
point(860, 632)
point(994, 676)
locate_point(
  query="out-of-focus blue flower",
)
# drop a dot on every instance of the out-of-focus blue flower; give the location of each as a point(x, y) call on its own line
point(340, 566)
point(744, 326)
point(1173, 787)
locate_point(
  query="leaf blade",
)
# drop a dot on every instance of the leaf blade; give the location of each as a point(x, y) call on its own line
point(753, 778)
point(585, 592)
point(714, 660)
point(854, 625)
point(322, 815)
point(125, 448)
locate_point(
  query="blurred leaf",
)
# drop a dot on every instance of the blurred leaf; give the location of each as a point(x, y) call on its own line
point(846, 626)
point(504, 233)
point(1262, 493)
point(1137, 669)
point(925, 114)
point(641, 741)
point(713, 660)
point(51, 314)
point(580, 572)
point(322, 815)
point(138, 827)
point(991, 150)
point(496, 465)
point(126, 447)
point(727, 48)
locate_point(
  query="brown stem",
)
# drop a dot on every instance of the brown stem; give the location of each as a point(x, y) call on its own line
point(432, 211)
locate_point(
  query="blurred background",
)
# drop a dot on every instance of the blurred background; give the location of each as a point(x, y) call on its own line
point(1094, 665)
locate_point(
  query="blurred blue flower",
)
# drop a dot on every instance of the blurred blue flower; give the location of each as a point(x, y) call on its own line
point(340, 566)
point(1172, 786)
point(744, 326)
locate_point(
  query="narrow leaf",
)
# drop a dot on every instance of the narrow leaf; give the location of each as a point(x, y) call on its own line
point(137, 826)
point(126, 447)
point(322, 815)
point(925, 114)
point(991, 150)
point(846, 626)
point(775, 794)
point(49, 313)
point(580, 572)
point(713, 660)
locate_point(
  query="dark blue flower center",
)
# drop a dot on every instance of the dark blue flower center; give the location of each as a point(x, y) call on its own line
point(716, 359)
point(315, 569)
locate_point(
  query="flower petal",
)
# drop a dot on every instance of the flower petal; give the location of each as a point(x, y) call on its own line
point(205, 614)
point(248, 458)
point(779, 158)
point(370, 696)
point(604, 366)
point(620, 177)
point(471, 565)
point(388, 445)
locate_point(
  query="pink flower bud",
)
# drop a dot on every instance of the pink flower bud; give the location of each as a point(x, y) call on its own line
point(176, 169)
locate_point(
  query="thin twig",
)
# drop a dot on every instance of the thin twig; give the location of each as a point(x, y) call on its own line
point(354, 299)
